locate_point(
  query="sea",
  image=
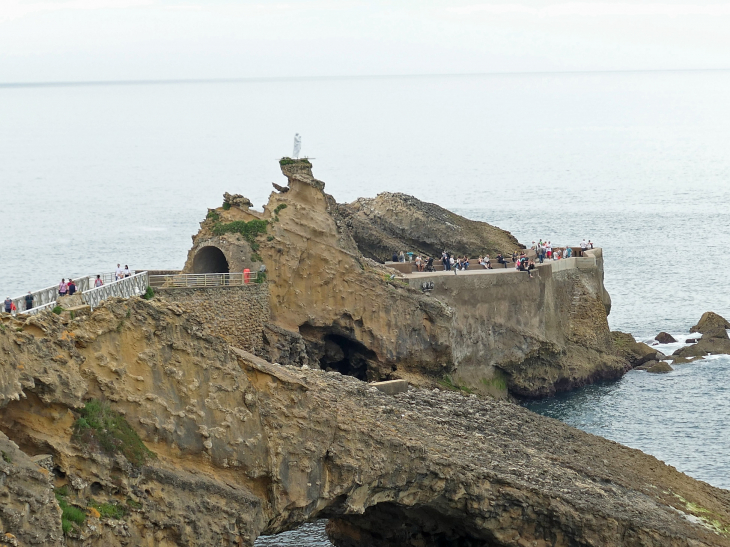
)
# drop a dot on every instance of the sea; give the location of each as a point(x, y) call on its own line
point(96, 174)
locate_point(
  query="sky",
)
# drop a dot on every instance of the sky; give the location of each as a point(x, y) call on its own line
point(99, 40)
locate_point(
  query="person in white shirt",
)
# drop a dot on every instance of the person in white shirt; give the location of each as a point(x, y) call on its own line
point(120, 272)
point(583, 246)
point(127, 273)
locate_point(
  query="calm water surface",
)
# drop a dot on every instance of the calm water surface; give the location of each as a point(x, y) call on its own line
point(637, 162)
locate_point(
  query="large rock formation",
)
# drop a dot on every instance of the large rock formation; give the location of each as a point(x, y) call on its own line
point(245, 447)
point(333, 308)
point(398, 222)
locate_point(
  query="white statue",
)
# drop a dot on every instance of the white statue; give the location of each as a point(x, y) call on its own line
point(297, 145)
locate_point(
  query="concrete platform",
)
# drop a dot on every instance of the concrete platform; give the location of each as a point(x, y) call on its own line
point(391, 387)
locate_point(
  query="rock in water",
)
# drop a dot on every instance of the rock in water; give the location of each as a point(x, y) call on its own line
point(659, 368)
point(636, 353)
point(710, 321)
point(713, 342)
point(665, 338)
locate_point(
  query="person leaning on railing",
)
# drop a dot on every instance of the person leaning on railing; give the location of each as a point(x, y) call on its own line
point(29, 301)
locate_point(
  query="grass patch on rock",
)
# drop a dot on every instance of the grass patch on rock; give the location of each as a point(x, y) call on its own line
point(71, 516)
point(449, 384)
point(248, 230)
point(109, 510)
point(99, 427)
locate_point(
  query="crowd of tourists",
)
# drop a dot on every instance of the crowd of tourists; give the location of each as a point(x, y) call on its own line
point(544, 250)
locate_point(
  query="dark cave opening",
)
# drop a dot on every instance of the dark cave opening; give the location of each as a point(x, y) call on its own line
point(338, 352)
point(348, 357)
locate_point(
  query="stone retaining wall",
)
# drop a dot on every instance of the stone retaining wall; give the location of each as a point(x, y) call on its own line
point(237, 314)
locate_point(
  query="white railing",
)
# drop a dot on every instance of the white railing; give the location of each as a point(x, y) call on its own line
point(173, 281)
point(124, 288)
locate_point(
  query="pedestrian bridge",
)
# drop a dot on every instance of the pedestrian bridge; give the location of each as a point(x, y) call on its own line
point(135, 285)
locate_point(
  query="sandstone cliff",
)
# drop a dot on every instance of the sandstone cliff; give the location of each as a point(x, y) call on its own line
point(333, 308)
point(245, 447)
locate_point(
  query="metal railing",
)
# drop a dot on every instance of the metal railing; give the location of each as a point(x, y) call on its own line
point(181, 281)
point(124, 288)
point(47, 297)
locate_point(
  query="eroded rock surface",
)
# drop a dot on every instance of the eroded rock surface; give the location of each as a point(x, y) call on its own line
point(334, 308)
point(710, 321)
point(393, 222)
point(246, 447)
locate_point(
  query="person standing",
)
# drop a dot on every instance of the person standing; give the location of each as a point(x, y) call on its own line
point(8, 305)
point(62, 288)
point(98, 282)
point(127, 273)
point(29, 301)
point(583, 247)
point(120, 272)
point(71, 287)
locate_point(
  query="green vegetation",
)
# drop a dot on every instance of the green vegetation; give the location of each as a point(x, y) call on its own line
point(269, 238)
point(101, 427)
point(134, 504)
point(708, 518)
point(57, 310)
point(449, 384)
point(6, 457)
point(71, 516)
point(279, 207)
point(109, 510)
point(498, 381)
point(213, 215)
point(289, 161)
point(261, 277)
point(256, 257)
point(149, 294)
point(249, 230)
point(226, 206)
point(73, 315)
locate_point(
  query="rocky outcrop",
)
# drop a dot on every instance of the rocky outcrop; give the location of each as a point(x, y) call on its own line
point(245, 447)
point(665, 338)
point(710, 321)
point(713, 342)
point(636, 353)
point(334, 308)
point(394, 222)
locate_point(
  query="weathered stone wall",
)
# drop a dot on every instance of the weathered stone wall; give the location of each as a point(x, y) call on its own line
point(237, 314)
point(533, 336)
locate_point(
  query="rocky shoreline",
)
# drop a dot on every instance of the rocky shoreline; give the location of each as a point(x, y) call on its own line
point(244, 447)
point(140, 424)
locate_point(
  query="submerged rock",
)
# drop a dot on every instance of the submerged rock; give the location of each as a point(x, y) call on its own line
point(679, 360)
point(710, 321)
point(665, 338)
point(660, 367)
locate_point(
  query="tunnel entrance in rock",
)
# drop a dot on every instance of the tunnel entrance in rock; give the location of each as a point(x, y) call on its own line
point(210, 260)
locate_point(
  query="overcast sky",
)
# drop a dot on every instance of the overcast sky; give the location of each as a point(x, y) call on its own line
point(89, 40)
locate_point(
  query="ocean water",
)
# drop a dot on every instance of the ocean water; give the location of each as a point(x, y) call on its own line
point(93, 175)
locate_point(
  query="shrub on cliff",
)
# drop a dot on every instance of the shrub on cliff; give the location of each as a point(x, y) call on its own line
point(249, 230)
point(102, 428)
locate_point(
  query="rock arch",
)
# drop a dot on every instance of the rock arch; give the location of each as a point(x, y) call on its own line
point(210, 259)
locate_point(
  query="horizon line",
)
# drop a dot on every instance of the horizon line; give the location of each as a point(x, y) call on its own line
point(172, 81)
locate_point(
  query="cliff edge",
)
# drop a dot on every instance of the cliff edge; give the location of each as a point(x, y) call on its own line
point(334, 308)
point(231, 446)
